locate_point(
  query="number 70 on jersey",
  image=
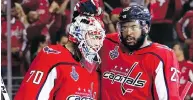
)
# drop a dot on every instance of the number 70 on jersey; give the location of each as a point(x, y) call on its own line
point(36, 76)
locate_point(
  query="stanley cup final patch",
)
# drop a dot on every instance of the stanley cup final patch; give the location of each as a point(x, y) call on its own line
point(114, 53)
point(74, 74)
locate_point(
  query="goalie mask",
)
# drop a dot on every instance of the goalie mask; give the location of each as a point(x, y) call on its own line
point(89, 34)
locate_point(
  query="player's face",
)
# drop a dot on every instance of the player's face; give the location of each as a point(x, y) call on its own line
point(93, 40)
point(177, 50)
point(131, 32)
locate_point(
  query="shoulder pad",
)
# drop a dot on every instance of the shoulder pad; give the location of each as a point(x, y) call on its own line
point(114, 37)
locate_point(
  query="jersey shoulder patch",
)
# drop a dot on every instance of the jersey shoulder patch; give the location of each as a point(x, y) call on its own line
point(54, 54)
point(50, 50)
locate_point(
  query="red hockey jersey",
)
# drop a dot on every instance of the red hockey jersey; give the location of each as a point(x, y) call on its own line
point(55, 75)
point(183, 26)
point(150, 73)
point(186, 69)
point(185, 23)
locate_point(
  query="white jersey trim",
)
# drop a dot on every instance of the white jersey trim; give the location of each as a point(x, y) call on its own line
point(48, 85)
point(160, 83)
point(191, 75)
point(185, 24)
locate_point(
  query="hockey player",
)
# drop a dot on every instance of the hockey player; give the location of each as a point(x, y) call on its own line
point(133, 68)
point(186, 68)
point(67, 73)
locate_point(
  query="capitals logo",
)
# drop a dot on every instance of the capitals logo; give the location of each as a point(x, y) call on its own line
point(77, 97)
point(49, 50)
point(83, 95)
point(126, 79)
point(114, 53)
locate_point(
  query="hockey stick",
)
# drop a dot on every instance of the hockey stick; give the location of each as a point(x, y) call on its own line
point(108, 6)
point(4, 91)
point(185, 91)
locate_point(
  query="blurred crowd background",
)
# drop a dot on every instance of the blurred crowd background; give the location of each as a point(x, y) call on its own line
point(37, 23)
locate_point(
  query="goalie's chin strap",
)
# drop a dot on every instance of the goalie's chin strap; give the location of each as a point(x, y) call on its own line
point(4, 91)
point(185, 91)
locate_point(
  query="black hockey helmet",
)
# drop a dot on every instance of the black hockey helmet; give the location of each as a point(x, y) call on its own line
point(136, 12)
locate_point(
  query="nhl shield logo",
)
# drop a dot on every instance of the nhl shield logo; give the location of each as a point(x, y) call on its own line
point(74, 74)
point(114, 53)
